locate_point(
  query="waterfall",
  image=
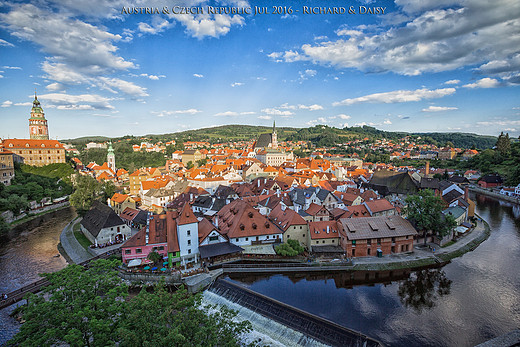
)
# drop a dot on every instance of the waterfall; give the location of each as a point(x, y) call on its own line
point(266, 332)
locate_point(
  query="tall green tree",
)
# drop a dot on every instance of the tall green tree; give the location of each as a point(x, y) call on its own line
point(87, 189)
point(503, 144)
point(426, 210)
point(81, 308)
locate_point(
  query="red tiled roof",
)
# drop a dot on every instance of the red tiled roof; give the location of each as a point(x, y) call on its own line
point(318, 230)
point(27, 143)
point(239, 219)
point(186, 215)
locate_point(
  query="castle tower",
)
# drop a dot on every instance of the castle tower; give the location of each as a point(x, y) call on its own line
point(111, 158)
point(274, 139)
point(38, 129)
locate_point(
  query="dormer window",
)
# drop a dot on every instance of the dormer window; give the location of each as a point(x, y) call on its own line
point(26, 145)
point(43, 145)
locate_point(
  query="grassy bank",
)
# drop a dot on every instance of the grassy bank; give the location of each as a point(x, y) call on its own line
point(82, 239)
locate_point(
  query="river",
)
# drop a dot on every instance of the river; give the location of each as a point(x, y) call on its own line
point(470, 300)
point(28, 250)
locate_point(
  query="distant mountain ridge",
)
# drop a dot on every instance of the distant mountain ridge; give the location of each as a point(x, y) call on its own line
point(319, 135)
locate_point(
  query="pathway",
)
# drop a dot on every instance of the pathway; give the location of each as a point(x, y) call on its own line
point(72, 247)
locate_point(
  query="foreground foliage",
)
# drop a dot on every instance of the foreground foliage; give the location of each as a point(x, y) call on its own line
point(290, 249)
point(92, 308)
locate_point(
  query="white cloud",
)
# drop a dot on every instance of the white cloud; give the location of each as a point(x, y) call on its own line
point(152, 77)
point(5, 43)
point(309, 73)
point(237, 84)
point(314, 107)
point(11, 67)
point(398, 96)
point(191, 111)
point(23, 104)
point(124, 86)
point(227, 114)
point(500, 123)
point(387, 122)
point(343, 116)
point(204, 25)
point(483, 83)
point(198, 75)
point(438, 109)
point(432, 36)
point(276, 112)
point(7, 103)
point(265, 117)
point(82, 101)
point(157, 26)
point(54, 86)
point(452, 82)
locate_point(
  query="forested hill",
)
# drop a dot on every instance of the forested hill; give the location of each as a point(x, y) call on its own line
point(319, 135)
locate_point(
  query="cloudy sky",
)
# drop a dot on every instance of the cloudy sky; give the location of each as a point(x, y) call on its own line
point(423, 65)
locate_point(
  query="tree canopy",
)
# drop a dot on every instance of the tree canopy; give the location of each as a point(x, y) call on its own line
point(92, 308)
point(425, 209)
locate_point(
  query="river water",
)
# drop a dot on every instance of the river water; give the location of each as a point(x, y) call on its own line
point(470, 300)
point(27, 251)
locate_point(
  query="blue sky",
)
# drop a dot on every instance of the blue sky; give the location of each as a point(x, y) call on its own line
point(429, 65)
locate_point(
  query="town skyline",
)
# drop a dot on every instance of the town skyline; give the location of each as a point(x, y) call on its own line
point(449, 66)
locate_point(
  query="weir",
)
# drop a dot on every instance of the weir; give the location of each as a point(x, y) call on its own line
point(315, 330)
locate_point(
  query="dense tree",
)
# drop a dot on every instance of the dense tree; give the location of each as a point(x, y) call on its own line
point(425, 209)
point(503, 144)
point(87, 189)
point(289, 249)
point(80, 308)
point(155, 257)
point(92, 308)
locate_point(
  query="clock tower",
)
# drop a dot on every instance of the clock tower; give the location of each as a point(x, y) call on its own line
point(38, 129)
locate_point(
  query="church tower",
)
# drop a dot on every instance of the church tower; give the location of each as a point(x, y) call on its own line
point(274, 139)
point(111, 158)
point(38, 129)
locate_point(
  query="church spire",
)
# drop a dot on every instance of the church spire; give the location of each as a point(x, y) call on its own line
point(274, 126)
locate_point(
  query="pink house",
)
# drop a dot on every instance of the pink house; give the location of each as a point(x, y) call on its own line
point(142, 243)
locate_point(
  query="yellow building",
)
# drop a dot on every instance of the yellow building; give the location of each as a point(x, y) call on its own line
point(36, 152)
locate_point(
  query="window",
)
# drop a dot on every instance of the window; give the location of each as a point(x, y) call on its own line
point(353, 242)
point(393, 239)
point(236, 240)
point(247, 238)
point(378, 241)
point(161, 248)
point(128, 251)
point(354, 253)
point(189, 242)
point(213, 238)
point(188, 233)
point(138, 251)
point(323, 241)
point(189, 251)
point(317, 242)
point(368, 251)
point(369, 242)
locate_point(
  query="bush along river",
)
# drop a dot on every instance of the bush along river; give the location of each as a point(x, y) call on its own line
point(470, 300)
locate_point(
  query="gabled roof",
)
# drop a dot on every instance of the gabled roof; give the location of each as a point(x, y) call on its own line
point(205, 228)
point(379, 205)
point(239, 219)
point(186, 215)
point(314, 209)
point(119, 198)
point(285, 218)
point(100, 216)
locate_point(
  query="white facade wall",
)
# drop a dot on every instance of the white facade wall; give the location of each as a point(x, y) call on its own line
point(188, 237)
point(247, 241)
point(214, 233)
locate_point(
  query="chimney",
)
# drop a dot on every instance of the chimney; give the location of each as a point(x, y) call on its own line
point(427, 167)
point(147, 227)
point(328, 229)
point(216, 221)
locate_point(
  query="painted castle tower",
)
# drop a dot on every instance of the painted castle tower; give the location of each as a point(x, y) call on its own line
point(38, 129)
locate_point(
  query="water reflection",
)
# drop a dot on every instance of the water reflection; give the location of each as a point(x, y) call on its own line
point(423, 288)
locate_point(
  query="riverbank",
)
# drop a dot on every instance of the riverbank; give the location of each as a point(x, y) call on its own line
point(493, 194)
point(423, 256)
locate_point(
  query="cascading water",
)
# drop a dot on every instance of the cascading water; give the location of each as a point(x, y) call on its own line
point(266, 332)
point(280, 324)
